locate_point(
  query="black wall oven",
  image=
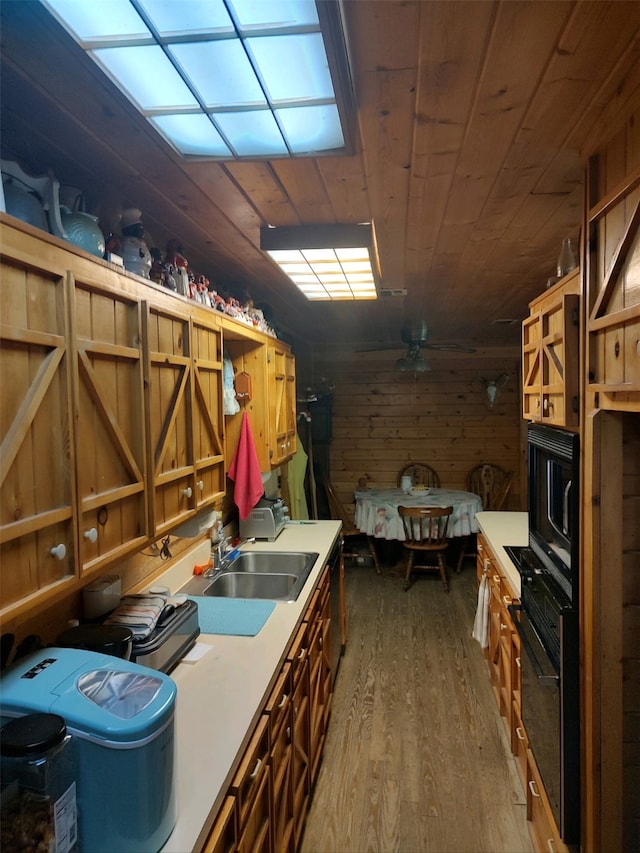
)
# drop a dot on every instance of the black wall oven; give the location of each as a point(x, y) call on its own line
point(547, 621)
point(549, 668)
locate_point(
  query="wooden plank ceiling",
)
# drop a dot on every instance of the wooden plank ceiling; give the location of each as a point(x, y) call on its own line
point(473, 123)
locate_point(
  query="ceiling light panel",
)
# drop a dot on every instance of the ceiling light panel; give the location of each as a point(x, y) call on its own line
point(256, 73)
point(326, 262)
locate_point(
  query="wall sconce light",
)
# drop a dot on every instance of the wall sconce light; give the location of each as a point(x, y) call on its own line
point(493, 387)
point(326, 262)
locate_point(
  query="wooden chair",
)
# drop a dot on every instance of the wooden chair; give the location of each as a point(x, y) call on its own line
point(425, 530)
point(421, 475)
point(491, 483)
point(349, 530)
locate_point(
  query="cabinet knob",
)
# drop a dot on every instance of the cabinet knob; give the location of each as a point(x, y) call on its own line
point(91, 534)
point(533, 788)
point(200, 485)
point(188, 492)
point(59, 551)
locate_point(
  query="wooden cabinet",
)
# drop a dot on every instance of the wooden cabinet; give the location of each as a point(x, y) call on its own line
point(503, 638)
point(279, 712)
point(298, 656)
point(184, 413)
point(269, 797)
point(223, 838)
point(503, 658)
point(550, 355)
point(112, 426)
point(282, 403)
point(108, 399)
point(251, 788)
point(37, 522)
point(320, 674)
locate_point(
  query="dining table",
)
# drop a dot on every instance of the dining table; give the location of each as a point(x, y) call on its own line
point(376, 512)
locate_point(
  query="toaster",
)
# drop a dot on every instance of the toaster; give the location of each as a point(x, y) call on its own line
point(266, 520)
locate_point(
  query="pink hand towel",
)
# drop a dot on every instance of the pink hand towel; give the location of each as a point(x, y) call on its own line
point(245, 471)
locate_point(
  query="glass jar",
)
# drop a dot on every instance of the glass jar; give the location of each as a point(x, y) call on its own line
point(38, 786)
point(566, 259)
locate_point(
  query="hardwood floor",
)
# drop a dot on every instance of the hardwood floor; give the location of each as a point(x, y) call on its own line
point(416, 758)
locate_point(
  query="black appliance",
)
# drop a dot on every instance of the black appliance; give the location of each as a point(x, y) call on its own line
point(553, 460)
point(547, 621)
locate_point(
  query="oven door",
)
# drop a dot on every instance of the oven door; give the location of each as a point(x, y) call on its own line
point(550, 714)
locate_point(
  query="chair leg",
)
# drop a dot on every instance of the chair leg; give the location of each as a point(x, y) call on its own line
point(372, 549)
point(407, 576)
point(443, 572)
point(461, 555)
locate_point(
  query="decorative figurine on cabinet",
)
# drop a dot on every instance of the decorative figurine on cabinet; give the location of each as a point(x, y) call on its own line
point(135, 252)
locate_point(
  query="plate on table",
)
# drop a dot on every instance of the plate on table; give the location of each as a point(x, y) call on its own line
point(419, 491)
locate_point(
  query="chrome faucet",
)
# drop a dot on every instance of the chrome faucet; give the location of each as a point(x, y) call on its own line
point(221, 557)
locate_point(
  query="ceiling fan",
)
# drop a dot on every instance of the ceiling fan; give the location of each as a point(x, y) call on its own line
point(414, 336)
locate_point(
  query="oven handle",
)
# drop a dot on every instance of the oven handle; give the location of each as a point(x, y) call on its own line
point(514, 610)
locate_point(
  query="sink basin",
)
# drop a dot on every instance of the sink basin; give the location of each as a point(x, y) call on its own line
point(242, 585)
point(274, 562)
point(274, 575)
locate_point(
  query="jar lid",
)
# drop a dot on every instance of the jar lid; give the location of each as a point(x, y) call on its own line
point(32, 734)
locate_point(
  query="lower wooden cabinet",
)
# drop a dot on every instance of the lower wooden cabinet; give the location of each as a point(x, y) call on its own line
point(503, 659)
point(269, 796)
point(251, 788)
point(222, 838)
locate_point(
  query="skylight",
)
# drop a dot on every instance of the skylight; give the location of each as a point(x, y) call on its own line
point(217, 78)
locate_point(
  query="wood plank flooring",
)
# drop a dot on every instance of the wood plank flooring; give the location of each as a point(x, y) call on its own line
point(416, 758)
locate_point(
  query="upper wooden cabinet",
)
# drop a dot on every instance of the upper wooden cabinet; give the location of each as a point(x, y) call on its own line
point(37, 454)
point(282, 403)
point(108, 405)
point(550, 355)
point(184, 412)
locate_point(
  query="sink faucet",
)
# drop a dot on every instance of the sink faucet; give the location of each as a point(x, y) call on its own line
point(222, 554)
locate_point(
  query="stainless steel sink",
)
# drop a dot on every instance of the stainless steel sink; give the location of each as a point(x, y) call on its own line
point(275, 575)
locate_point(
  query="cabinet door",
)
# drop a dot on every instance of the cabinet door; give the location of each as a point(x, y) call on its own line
point(37, 526)
point(319, 674)
point(281, 399)
point(207, 409)
point(109, 414)
point(278, 711)
point(251, 789)
point(531, 372)
point(222, 838)
point(183, 373)
point(559, 362)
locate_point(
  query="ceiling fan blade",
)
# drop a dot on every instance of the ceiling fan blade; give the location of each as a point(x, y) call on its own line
point(448, 347)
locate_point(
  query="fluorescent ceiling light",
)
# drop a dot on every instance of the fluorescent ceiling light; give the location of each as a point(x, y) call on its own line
point(223, 78)
point(326, 262)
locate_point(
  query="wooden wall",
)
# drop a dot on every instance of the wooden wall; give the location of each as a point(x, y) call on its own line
point(383, 419)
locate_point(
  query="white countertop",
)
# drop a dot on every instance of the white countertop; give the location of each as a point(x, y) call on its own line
point(505, 528)
point(220, 696)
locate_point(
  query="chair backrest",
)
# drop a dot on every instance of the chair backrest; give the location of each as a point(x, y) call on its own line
point(492, 483)
point(425, 526)
point(421, 475)
point(338, 511)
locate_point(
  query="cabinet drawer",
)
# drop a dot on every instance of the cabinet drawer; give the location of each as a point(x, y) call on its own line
point(252, 771)
point(278, 705)
point(297, 654)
